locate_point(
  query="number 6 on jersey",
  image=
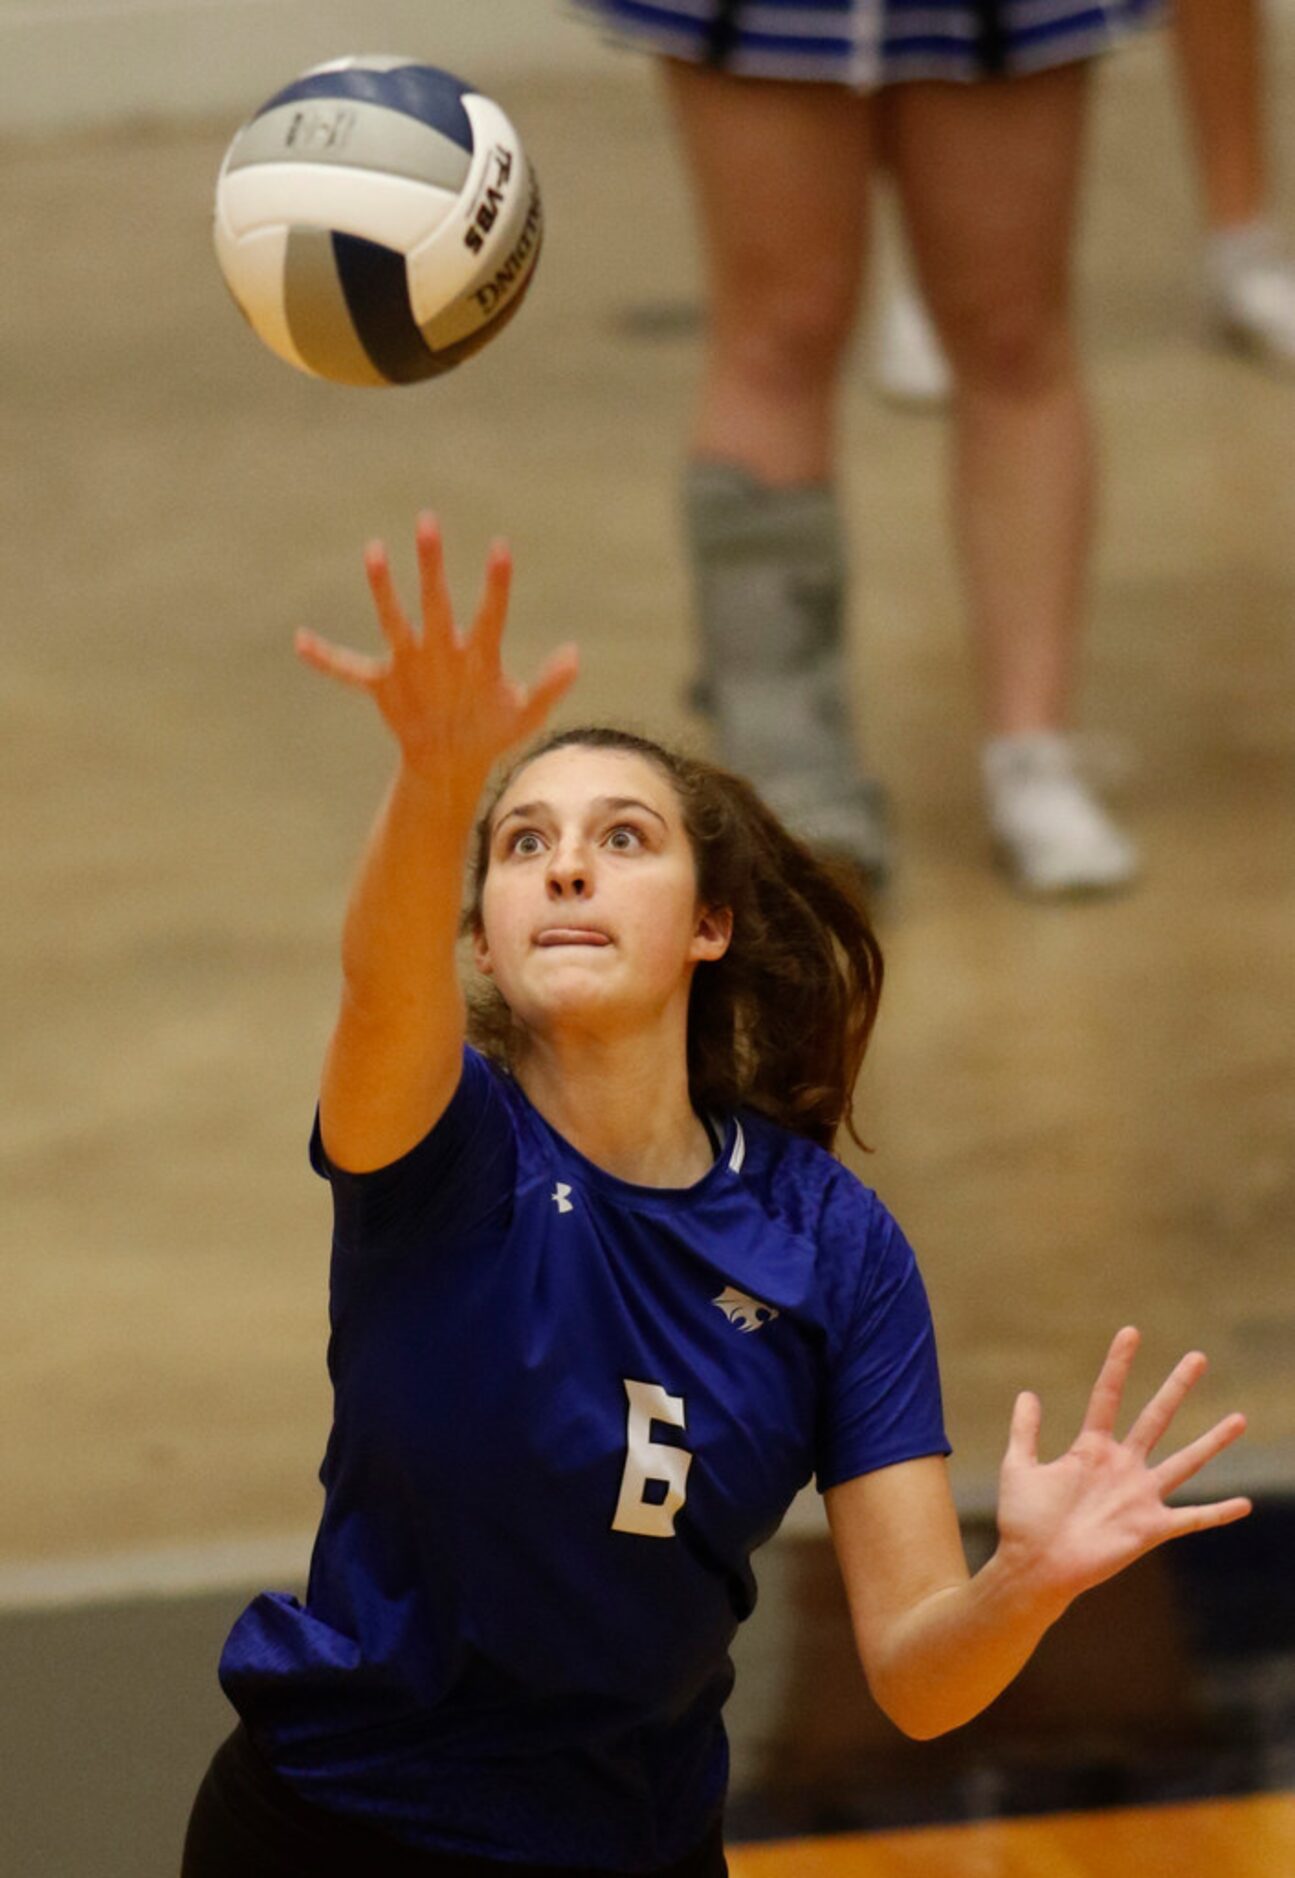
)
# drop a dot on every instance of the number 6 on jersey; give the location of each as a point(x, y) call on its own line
point(646, 1460)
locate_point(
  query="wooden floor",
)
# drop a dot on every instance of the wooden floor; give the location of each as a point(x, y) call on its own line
point(1246, 1838)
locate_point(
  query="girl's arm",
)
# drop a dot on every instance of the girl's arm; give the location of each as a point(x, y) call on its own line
point(393, 1062)
point(938, 1645)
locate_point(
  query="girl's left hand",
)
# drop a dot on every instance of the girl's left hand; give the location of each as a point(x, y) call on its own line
point(1068, 1524)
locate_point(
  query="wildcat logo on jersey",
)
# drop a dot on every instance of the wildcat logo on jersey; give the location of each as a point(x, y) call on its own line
point(742, 1312)
point(561, 1196)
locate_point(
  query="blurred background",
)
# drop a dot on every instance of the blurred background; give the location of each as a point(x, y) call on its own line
point(1082, 1114)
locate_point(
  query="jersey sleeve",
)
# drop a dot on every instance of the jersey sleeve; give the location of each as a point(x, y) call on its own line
point(881, 1403)
point(461, 1172)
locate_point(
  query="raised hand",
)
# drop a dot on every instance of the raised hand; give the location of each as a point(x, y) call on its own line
point(1071, 1523)
point(446, 697)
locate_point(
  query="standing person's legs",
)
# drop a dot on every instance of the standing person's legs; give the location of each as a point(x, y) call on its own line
point(1218, 47)
point(989, 178)
point(1250, 283)
point(779, 173)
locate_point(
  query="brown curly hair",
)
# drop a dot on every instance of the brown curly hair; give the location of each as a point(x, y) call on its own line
point(781, 1022)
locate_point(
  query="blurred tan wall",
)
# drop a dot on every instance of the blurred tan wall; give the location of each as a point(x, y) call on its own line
point(81, 63)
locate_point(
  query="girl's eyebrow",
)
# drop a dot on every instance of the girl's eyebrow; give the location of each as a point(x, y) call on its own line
point(528, 809)
point(523, 808)
point(629, 802)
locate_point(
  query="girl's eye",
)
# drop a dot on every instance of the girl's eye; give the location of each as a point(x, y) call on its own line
point(624, 838)
point(527, 842)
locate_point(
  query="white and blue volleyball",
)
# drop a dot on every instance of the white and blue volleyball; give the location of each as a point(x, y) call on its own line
point(377, 221)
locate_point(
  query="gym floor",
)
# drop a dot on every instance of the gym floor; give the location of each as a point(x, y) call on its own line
point(1081, 1114)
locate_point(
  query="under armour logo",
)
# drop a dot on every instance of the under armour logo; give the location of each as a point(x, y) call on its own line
point(560, 1196)
point(744, 1313)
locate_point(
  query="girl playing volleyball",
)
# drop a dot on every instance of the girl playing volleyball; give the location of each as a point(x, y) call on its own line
point(602, 1303)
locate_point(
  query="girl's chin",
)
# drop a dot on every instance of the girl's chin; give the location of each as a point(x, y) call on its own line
point(598, 1009)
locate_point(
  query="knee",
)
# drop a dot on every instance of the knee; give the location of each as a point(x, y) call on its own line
point(1012, 348)
point(789, 333)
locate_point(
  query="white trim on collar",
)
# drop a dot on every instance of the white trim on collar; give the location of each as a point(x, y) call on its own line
point(738, 1155)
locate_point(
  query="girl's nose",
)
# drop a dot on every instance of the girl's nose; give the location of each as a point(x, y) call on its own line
point(568, 874)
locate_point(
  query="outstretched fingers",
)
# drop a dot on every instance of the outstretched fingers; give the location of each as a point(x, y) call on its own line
point(349, 668)
point(432, 670)
point(1188, 1519)
point(396, 629)
point(1108, 1391)
point(492, 608)
point(1178, 1468)
point(1023, 1437)
point(556, 679)
point(1160, 1411)
point(433, 587)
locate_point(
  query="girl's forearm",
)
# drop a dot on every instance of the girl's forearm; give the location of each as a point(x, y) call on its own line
point(402, 917)
point(951, 1655)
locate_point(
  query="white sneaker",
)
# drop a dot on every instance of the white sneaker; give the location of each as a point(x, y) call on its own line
point(1250, 293)
point(1049, 830)
point(908, 362)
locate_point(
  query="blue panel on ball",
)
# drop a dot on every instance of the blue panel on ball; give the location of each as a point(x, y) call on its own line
point(420, 91)
point(377, 295)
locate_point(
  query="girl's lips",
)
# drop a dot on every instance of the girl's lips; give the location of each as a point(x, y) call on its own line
point(572, 936)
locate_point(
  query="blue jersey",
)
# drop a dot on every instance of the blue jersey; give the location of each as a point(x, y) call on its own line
point(567, 1411)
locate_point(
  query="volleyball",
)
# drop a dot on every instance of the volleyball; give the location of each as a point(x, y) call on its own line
point(377, 221)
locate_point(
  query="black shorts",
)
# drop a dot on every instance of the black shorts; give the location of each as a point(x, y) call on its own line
point(248, 1823)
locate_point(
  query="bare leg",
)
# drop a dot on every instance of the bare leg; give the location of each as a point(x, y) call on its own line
point(1249, 276)
point(989, 178)
point(994, 264)
point(1249, 279)
point(780, 174)
point(1218, 47)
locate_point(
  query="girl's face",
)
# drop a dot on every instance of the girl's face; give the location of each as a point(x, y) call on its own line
point(589, 914)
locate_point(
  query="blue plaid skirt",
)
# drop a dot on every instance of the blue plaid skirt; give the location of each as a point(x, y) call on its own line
point(868, 43)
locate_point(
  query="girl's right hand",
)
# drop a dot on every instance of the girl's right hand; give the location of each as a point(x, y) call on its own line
point(452, 708)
